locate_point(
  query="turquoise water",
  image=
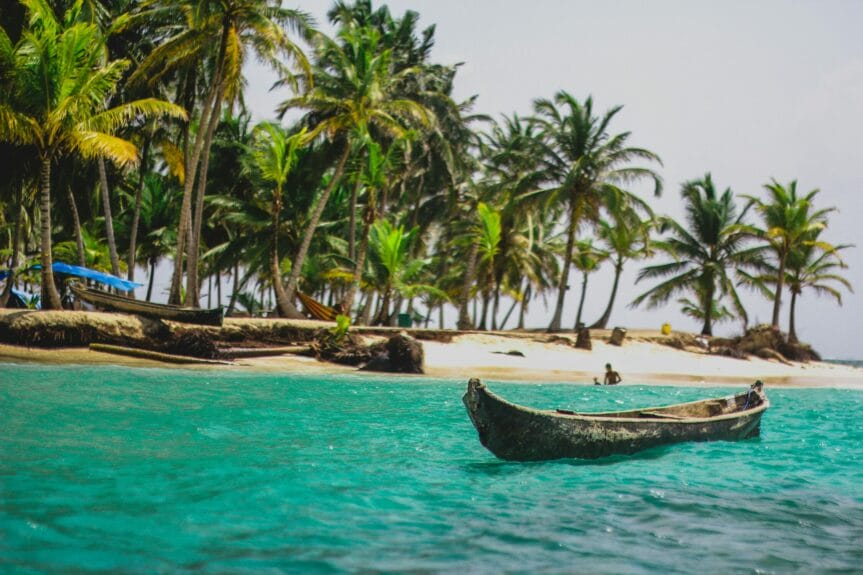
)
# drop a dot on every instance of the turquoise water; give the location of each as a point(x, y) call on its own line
point(117, 470)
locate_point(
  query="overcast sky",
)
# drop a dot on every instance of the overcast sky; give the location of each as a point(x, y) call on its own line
point(748, 90)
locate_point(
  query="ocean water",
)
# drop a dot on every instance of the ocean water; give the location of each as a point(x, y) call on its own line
point(118, 470)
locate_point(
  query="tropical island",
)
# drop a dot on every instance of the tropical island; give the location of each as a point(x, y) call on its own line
point(376, 199)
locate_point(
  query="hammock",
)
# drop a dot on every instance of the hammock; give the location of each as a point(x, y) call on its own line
point(316, 309)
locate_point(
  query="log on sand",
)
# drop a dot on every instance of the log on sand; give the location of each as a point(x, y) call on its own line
point(154, 355)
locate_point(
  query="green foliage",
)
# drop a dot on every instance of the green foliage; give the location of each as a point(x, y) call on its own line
point(340, 330)
point(706, 256)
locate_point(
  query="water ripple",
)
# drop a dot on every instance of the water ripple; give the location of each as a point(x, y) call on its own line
point(152, 471)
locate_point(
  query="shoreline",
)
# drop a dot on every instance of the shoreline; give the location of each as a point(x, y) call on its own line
point(641, 361)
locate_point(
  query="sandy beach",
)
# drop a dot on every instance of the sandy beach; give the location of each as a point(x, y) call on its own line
point(524, 357)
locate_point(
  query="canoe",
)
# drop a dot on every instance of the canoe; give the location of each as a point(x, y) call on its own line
point(108, 301)
point(516, 433)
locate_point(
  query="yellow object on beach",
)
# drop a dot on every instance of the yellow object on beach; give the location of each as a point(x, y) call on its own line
point(666, 328)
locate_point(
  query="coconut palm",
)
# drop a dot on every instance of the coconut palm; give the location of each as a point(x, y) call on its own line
point(219, 35)
point(394, 271)
point(587, 260)
point(789, 222)
point(274, 155)
point(704, 254)
point(813, 264)
point(56, 86)
point(582, 161)
point(627, 237)
point(355, 96)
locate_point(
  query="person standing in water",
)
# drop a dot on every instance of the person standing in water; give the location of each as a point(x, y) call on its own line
point(611, 376)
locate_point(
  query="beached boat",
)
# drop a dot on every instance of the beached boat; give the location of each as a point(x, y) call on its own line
point(111, 302)
point(517, 433)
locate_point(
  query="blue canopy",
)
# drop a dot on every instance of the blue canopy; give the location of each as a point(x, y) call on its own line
point(81, 272)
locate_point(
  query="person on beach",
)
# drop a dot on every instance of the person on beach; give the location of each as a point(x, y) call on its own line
point(611, 376)
point(596, 381)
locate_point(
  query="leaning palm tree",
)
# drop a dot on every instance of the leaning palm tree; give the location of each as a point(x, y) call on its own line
point(213, 40)
point(274, 155)
point(355, 95)
point(815, 266)
point(789, 223)
point(704, 253)
point(56, 83)
point(582, 160)
point(587, 260)
point(627, 237)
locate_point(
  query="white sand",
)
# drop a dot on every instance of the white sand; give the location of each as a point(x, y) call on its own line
point(637, 361)
point(473, 355)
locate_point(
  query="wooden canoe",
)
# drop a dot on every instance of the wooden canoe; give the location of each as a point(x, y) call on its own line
point(517, 433)
point(111, 302)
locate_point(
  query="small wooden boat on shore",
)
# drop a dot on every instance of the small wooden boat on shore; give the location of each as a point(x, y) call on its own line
point(111, 302)
point(517, 433)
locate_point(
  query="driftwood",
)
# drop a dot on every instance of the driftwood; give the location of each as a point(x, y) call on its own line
point(154, 355)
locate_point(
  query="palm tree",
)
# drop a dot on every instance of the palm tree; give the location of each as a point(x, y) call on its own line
point(587, 260)
point(220, 34)
point(54, 100)
point(581, 161)
point(627, 237)
point(815, 265)
point(789, 222)
point(274, 155)
point(704, 253)
point(394, 271)
point(488, 233)
point(355, 95)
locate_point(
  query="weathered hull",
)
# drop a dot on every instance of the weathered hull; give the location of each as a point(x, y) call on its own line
point(518, 433)
point(111, 302)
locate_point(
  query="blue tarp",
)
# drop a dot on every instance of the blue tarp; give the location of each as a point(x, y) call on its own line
point(78, 271)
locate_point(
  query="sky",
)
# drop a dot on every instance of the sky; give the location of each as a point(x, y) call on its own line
point(746, 90)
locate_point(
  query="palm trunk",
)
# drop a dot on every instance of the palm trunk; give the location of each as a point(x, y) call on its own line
point(495, 306)
point(191, 167)
point(384, 312)
point(581, 301)
point(275, 271)
point(313, 224)
point(150, 280)
point(606, 315)
point(707, 328)
point(219, 288)
point(76, 224)
point(528, 293)
point(235, 290)
point(366, 314)
point(464, 321)
point(792, 327)
point(50, 296)
point(109, 220)
point(348, 301)
point(780, 284)
point(508, 314)
point(16, 247)
point(136, 214)
point(485, 300)
point(352, 222)
point(192, 284)
point(564, 274)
